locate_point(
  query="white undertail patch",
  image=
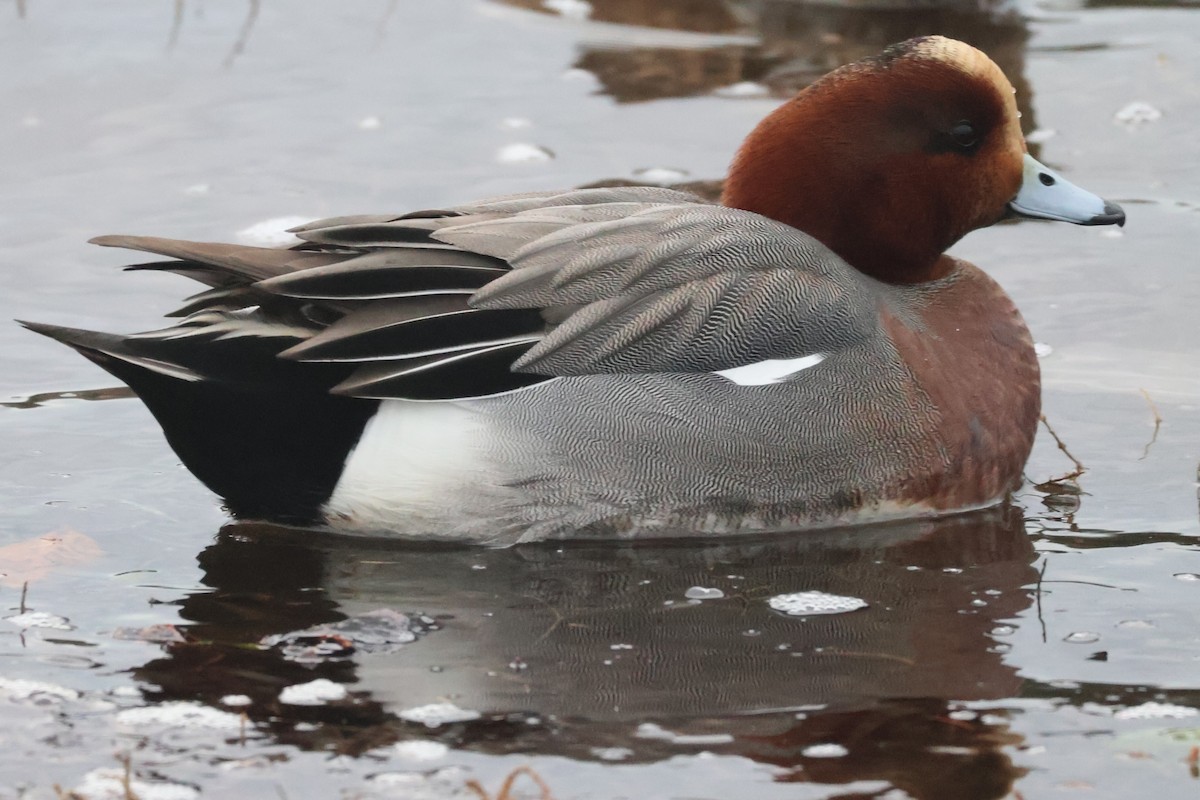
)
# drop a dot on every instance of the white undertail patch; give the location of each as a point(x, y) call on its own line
point(412, 464)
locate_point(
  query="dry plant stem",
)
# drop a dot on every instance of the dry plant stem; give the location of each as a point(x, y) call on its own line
point(506, 789)
point(505, 792)
point(1079, 467)
point(24, 594)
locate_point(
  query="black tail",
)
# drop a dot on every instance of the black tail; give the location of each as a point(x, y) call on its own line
point(262, 432)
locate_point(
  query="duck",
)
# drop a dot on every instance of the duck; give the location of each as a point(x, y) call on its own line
point(633, 362)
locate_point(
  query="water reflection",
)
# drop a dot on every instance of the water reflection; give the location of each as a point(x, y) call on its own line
point(791, 43)
point(575, 650)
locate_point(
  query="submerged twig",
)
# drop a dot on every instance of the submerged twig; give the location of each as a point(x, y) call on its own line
point(176, 26)
point(244, 35)
point(1095, 583)
point(381, 28)
point(1038, 596)
point(1157, 424)
point(836, 651)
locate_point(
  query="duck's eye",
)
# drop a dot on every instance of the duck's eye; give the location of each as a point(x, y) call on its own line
point(964, 135)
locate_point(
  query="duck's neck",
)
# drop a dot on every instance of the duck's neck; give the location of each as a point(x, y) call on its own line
point(854, 190)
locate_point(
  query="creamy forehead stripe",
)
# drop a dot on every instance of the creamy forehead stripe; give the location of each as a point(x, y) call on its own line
point(964, 57)
point(974, 62)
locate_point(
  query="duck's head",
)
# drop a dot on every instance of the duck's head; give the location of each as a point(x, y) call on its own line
point(890, 160)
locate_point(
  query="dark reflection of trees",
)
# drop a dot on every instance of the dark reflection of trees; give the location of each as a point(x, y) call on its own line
point(698, 16)
point(884, 679)
point(797, 42)
point(903, 743)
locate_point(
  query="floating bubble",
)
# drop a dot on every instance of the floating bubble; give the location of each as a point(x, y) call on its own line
point(803, 604)
point(523, 153)
point(648, 730)
point(1135, 624)
point(743, 89)
point(19, 689)
point(436, 714)
point(40, 619)
point(107, 782)
point(180, 714)
point(1137, 113)
point(313, 693)
point(660, 175)
point(420, 750)
point(612, 753)
point(826, 750)
point(571, 9)
point(1153, 710)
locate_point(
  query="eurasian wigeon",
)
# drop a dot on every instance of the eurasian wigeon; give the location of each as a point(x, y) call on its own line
point(631, 362)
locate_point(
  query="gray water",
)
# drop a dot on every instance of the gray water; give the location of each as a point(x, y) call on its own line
point(1048, 650)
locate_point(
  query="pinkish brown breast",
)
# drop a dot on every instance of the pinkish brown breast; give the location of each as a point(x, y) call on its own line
point(970, 352)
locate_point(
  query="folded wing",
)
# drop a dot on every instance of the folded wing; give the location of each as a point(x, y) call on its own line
point(490, 298)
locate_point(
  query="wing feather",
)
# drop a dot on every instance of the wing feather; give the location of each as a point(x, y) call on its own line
point(495, 296)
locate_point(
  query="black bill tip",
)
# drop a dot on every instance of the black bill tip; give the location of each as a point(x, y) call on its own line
point(1113, 215)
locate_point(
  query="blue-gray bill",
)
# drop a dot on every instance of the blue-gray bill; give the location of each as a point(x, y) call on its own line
point(1045, 194)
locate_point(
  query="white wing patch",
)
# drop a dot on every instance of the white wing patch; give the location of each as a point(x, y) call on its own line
point(773, 370)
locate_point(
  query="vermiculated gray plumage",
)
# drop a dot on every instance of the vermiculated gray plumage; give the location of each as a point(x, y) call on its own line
point(576, 336)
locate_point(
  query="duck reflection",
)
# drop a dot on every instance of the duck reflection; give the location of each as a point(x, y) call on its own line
point(782, 45)
point(584, 648)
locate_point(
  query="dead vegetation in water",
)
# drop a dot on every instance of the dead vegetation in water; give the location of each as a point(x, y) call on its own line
point(32, 560)
point(127, 792)
point(1079, 467)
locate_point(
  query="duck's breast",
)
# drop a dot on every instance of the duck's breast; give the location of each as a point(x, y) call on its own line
point(970, 352)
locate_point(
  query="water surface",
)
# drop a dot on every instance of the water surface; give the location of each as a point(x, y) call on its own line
point(1047, 649)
